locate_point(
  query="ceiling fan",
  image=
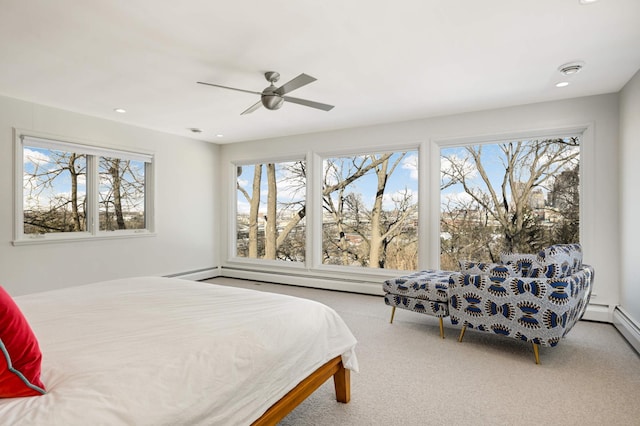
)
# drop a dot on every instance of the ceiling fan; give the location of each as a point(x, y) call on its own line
point(273, 97)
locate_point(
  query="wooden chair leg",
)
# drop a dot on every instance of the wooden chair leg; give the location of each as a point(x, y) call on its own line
point(462, 333)
point(536, 354)
point(393, 312)
point(441, 328)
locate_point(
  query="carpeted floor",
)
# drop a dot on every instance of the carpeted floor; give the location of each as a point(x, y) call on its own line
point(409, 376)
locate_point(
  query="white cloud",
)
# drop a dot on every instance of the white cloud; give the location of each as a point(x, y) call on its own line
point(35, 157)
point(454, 165)
point(455, 198)
point(290, 194)
point(390, 201)
point(411, 163)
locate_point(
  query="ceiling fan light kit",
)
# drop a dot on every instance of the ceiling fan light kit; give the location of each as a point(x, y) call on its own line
point(273, 97)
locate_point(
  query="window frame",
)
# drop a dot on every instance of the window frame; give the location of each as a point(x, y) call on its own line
point(93, 153)
point(586, 173)
point(428, 149)
point(312, 267)
point(318, 176)
point(232, 248)
point(314, 221)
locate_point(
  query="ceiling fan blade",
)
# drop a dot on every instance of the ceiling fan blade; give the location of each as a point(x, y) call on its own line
point(301, 80)
point(252, 108)
point(311, 104)
point(230, 88)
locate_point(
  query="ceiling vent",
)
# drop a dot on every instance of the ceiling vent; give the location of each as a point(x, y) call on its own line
point(571, 68)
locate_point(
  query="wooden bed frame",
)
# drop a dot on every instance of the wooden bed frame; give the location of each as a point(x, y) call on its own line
point(341, 381)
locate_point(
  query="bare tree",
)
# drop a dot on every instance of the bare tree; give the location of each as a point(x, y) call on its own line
point(271, 225)
point(376, 227)
point(40, 185)
point(467, 232)
point(121, 188)
point(254, 207)
point(529, 167)
point(275, 236)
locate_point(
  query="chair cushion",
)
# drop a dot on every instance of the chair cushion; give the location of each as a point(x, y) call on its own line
point(560, 260)
point(427, 285)
point(524, 264)
point(492, 269)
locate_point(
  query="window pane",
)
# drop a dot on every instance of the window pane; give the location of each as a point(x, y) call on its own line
point(370, 211)
point(121, 194)
point(518, 196)
point(54, 191)
point(271, 211)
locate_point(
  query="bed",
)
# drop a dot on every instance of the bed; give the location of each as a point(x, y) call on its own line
point(166, 351)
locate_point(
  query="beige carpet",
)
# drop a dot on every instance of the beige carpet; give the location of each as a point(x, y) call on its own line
point(409, 376)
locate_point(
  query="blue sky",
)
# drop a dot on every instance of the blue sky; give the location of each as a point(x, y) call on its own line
point(41, 159)
point(493, 160)
point(44, 159)
point(405, 178)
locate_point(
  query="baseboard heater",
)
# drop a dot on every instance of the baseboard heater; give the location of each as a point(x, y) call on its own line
point(197, 274)
point(351, 285)
point(627, 326)
point(597, 312)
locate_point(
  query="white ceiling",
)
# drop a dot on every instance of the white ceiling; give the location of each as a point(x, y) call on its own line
point(377, 61)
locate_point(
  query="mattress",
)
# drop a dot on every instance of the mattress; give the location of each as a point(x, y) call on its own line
point(166, 351)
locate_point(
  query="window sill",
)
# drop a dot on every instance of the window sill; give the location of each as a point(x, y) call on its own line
point(354, 273)
point(57, 239)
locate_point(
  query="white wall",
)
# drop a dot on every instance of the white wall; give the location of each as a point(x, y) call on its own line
point(186, 216)
point(630, 197)
point(191, 214)
point(599, 114)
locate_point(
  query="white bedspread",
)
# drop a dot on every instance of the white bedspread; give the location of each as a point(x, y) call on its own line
point(160, 351)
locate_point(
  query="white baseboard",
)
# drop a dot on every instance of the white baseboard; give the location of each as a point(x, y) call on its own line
point(200, 274)
point(627, 326)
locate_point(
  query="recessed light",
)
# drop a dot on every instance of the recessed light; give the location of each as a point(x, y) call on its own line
point(587, 1)
point(562, 84)
point(195, 130)
point(219, 136)
point(120, 110)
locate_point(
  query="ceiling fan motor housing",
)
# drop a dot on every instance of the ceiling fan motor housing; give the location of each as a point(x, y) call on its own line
point(271, 100)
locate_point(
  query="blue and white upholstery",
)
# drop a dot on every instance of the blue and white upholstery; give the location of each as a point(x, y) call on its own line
point(424, 292)
point(533, 298)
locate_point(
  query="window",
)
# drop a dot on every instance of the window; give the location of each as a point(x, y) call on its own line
point(54, 191)
point(370, 210)
point(516, 196)
point(121, 194)
point(77, 191)
point(370, 215)
point(270, 211)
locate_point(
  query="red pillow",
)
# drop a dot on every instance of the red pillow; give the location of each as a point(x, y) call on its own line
point(20, 355)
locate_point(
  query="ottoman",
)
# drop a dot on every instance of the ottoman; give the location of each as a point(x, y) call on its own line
point(425, 292)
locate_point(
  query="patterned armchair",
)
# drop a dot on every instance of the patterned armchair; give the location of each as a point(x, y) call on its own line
point(533, 298)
